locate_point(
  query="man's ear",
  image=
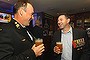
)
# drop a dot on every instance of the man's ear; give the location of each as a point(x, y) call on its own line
point(20, 12)
point(68, 21)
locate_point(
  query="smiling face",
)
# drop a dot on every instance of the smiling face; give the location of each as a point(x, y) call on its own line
point(27, 15)
point(63, 21)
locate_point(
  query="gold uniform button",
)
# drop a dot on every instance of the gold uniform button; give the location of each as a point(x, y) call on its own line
point(23, 40)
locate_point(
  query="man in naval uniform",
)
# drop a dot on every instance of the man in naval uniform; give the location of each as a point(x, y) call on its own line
point(17, 43)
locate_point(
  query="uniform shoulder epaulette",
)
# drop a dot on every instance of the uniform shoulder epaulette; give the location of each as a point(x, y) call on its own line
point(17, 25)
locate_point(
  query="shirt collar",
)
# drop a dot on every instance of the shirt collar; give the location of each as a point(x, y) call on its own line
point(70, 30)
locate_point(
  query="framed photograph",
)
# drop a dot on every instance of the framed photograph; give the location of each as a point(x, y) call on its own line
point(79, 22)
point(4, 17)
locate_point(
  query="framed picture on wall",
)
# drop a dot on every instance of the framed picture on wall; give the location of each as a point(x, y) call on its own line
point(87, 23)
point(79, 22)
point(4, 17)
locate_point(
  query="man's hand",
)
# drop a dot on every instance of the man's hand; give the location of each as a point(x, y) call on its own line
point(57, 50)
point(38, 50)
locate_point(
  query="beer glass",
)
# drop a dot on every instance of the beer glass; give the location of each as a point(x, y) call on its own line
point(59, 44)
point(38, 42)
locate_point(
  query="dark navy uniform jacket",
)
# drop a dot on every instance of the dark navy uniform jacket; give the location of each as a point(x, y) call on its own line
point(15, 44)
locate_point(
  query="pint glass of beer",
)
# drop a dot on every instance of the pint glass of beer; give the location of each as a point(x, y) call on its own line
point(38, 41)
point(59, 44)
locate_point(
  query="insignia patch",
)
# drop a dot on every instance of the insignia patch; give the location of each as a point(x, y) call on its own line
point(78, 43)
point(17, 25)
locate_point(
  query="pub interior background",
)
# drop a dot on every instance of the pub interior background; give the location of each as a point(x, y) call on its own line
point(49, 23)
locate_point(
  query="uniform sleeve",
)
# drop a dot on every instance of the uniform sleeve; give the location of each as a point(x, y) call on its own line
point(7, 50)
